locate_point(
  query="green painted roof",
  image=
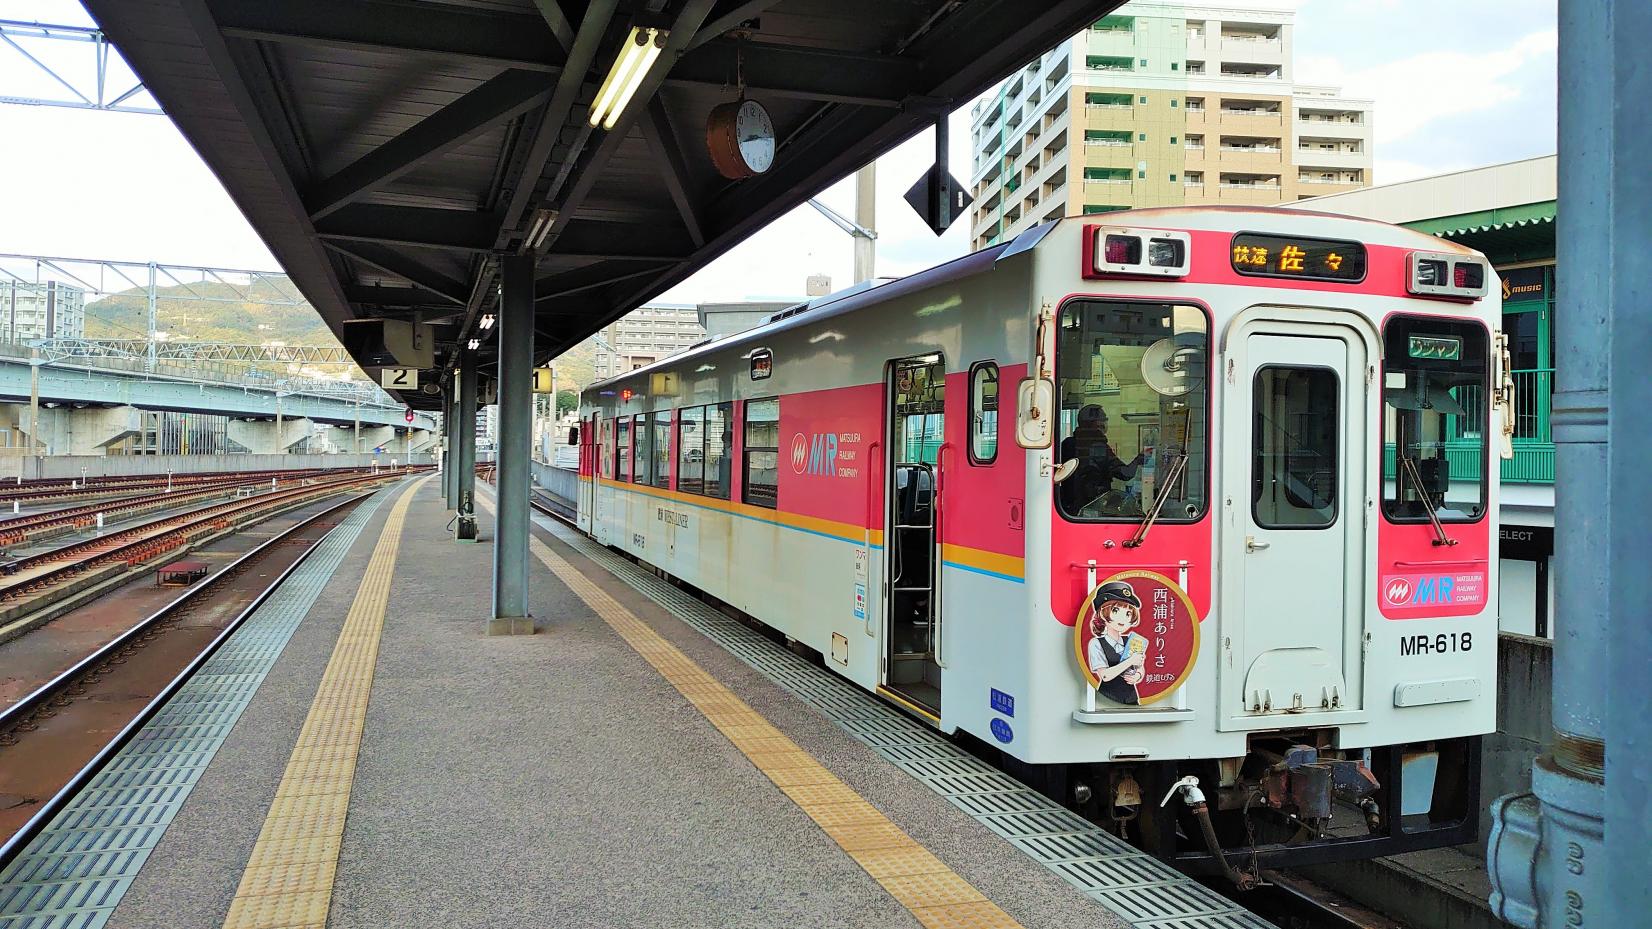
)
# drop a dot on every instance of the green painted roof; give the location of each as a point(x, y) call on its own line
point(1512, 233)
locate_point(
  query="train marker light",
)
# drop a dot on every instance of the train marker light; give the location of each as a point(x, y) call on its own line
point(1444, 274)
point(1112, 250)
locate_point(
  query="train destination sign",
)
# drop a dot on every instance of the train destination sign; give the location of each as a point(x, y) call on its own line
point(1260, 255)
point(1435, 347)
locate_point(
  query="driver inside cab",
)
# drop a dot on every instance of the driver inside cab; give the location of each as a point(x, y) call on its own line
point(1098, 465)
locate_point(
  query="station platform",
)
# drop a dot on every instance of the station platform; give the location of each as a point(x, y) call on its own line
point(360, 754)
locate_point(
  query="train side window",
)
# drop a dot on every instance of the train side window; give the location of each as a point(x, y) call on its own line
point(719, 433)
point(1295, 445)
point(691, 450)
point(662, 448)
point(760, 485)
point(624, 444)
point(641, 459)
point(983, 413)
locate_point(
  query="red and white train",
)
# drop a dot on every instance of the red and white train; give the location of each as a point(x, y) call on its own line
point(1194, 504)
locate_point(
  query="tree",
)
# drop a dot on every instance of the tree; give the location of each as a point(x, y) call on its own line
point(566, 402)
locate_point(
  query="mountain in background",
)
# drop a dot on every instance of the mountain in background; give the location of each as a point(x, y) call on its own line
point(125, 316)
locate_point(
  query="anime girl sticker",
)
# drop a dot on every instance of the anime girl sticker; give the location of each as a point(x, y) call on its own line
point(1136, 637)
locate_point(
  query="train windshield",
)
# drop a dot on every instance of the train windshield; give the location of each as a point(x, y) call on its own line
point(1131, 379)
point(1434, 420)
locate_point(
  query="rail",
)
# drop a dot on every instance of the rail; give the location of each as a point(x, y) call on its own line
point(40, 696)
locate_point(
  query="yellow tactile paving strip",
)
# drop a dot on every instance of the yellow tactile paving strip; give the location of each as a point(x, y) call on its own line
point(919, 881)
point(288, 882)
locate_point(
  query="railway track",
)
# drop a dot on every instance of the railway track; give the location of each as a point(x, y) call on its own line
point(31, 586)
point(53, 491)
point(55, 738)
point(34, 525)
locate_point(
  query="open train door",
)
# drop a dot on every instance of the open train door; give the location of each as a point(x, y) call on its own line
point(587, 472)
point(914, 477)
point(1297, 416)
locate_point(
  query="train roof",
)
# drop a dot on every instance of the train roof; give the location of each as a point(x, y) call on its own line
point(1194, 218)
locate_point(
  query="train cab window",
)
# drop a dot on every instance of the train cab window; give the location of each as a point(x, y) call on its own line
point(760, 481)
point(719, 450)
point(691, 450)
point(983, 413)
point(624, 428)
point(661, 448)
point(1295, 443)
point(1434, 424)
point(642, 460)
point(1131, 381)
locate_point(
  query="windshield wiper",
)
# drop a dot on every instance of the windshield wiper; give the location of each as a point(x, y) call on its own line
point(1409, 467)
point(1176, 469)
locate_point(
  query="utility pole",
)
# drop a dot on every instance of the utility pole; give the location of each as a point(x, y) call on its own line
point(149, 353)
point(866, 218)
point(34, 400)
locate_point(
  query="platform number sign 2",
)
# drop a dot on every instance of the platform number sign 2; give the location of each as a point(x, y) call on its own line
point(399, 378)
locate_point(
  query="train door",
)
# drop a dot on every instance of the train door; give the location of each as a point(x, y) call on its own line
point(588, 470)
point(602, 430)
point(1297, 428)
point(914, 430)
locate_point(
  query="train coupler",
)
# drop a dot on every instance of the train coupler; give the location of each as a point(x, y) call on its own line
point(1303, 783)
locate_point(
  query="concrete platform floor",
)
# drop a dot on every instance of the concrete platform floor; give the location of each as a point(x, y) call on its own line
point(554, 779)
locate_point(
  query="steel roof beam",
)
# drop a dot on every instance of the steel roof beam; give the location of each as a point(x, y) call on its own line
point(683, 29)
point(399, 265)
point(799, 72)
point(511, 40)
point(581, 57)
point(729, 21)
point(389, 297)
point(420, 227)
point(662, 141)
point(495, 101)
point(622, 242)
point(588, 278)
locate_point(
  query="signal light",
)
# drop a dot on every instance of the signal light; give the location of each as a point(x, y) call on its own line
point(1469, 275)
point(1122, 250)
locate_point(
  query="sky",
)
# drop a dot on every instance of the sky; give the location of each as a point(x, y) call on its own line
point(1457, 84)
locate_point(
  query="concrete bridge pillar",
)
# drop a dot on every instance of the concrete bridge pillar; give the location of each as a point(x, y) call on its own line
point(380, 437)
point(269, 437)
point(423, 440)
point(86, 431)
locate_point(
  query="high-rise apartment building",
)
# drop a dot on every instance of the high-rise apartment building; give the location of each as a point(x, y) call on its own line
point(41, 311)
point(644, 336)
point(1162, 104)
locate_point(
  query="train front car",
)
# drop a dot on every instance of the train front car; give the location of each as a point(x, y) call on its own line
point(1188, 513)
point(1261, 502)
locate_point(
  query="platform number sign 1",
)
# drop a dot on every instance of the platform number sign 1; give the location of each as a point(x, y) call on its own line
point(399, 378)
point(544, 382)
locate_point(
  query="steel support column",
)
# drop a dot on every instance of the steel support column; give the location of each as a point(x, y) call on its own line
point(450, 431)
point(464, 463)
point(1573, 852)
point(515, 445)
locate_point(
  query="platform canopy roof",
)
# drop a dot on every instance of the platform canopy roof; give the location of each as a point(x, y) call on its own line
point(390, 152)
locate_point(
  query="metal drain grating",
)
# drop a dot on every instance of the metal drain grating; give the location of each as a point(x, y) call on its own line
point(1125, 880)
point(74, 873)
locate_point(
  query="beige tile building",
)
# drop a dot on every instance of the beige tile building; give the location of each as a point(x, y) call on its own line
point(1162, 104)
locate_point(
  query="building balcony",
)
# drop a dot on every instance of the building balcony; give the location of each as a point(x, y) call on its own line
point(1309, 156)
point(1110, 156)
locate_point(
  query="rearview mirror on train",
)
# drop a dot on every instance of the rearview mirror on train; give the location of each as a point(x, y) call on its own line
point(1065, 469)
point(573, 435)
point(1034, 412)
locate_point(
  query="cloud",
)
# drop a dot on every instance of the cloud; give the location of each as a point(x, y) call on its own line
point(1418, 91)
